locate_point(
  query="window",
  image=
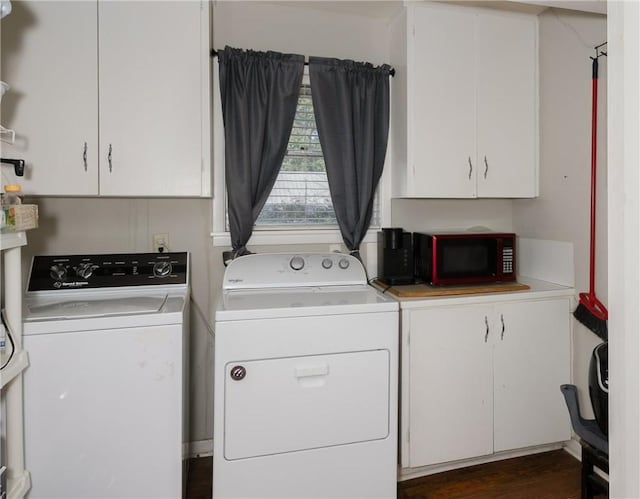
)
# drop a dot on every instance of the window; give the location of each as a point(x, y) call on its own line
point(299, 209)
point(300, 195)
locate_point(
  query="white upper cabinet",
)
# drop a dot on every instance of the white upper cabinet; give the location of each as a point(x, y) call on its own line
point(154, 91)
point(465, 103)
point(507, 106)
point(114, 98)
point(49, 52)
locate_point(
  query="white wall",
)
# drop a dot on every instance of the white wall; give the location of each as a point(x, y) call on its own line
point(85, 225)
point(562, 211)
point(301, 28)
point(416, 215)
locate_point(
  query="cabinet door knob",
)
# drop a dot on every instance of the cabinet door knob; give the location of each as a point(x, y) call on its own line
point(84, 156)
point(470, 168)
point(109, 158)
point(486, 333)
point(502, 321)
point(486, 167)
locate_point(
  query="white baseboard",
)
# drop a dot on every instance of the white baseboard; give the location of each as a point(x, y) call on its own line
point(409, 473)
point(573, 447)
point(201, 448)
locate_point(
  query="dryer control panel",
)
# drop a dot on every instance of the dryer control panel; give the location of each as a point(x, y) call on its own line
point(280, 270)
point(108, 270)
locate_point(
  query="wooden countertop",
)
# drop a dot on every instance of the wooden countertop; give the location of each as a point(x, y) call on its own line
point(427, 290)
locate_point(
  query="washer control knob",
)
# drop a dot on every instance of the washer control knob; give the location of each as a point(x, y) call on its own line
point(237, 373)
point(58, 272)
point(343, 263)
point(327, 263)
point(297, 263)
point(85, 270)
point(162, 269)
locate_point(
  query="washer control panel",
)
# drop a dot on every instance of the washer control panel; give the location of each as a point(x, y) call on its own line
point(107, 271)
point(277, 270)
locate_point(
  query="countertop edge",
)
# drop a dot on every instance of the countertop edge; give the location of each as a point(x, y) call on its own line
point(537, 290)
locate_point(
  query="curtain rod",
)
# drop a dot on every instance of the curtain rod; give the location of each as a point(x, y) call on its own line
point(214, 53)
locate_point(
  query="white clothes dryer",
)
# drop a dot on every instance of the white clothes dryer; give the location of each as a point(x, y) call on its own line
point(306, 363)
point(105, 395)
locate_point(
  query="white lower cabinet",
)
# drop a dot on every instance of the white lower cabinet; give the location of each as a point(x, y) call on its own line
point(483, 378)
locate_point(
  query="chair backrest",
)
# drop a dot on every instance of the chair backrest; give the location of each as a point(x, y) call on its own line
point(586, 429)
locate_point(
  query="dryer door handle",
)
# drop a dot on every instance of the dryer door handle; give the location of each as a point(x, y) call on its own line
point(309, 371)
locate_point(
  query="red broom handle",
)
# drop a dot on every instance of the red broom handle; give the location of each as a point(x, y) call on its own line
point(594, 129)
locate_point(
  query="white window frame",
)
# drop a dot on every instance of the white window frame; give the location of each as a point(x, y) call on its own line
point(266, 236)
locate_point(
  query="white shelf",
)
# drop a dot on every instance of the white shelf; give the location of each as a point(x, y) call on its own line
point(9, 240)
point(19, 363)
point(19, 481)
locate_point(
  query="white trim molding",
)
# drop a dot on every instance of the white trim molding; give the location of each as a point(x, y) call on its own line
point(201, 448)
point(623, 63)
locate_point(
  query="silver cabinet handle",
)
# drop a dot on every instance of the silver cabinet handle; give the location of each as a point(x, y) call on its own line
point(486, 333)
point(84, 156)
point(470, 168)
point(502, 333)
point(486, 167)
point(109, 158)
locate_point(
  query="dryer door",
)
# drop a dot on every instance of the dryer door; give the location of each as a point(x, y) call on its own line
point(296, 403)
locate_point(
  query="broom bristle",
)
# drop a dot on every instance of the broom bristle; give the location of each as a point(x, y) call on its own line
point(590, 321)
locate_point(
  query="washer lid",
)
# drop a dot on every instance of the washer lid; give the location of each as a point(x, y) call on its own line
point(46, 315)
point(78, 308)
point(301, 302)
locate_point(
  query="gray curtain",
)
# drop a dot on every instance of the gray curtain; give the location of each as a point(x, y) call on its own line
point(351, 104)
point(259, 92)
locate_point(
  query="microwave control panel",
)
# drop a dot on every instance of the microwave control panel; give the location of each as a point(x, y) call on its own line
point(507, 259)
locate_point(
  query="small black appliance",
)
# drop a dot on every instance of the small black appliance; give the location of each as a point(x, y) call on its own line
point(395, 256)
point(599, 385)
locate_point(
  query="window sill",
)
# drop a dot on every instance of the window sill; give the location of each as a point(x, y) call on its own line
point(291, 237)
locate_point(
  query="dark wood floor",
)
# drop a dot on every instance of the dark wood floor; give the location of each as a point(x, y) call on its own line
point(550, 475)
point(200, 476)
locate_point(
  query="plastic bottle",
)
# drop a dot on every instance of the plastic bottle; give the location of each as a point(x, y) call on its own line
point(13, 195)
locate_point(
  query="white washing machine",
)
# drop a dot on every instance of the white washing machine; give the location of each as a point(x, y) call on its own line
point(105, 395)
point(306, 364)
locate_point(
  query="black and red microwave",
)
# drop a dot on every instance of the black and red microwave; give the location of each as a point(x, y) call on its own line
point(464, 258)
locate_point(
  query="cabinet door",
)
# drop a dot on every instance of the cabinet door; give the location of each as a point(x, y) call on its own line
point(507, 105)
point(441, 108)
point(451, 384)
point(49, 58)
point(152, 99)
point(531, 361)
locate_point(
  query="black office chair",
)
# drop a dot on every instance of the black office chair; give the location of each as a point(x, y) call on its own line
point(592, 432)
